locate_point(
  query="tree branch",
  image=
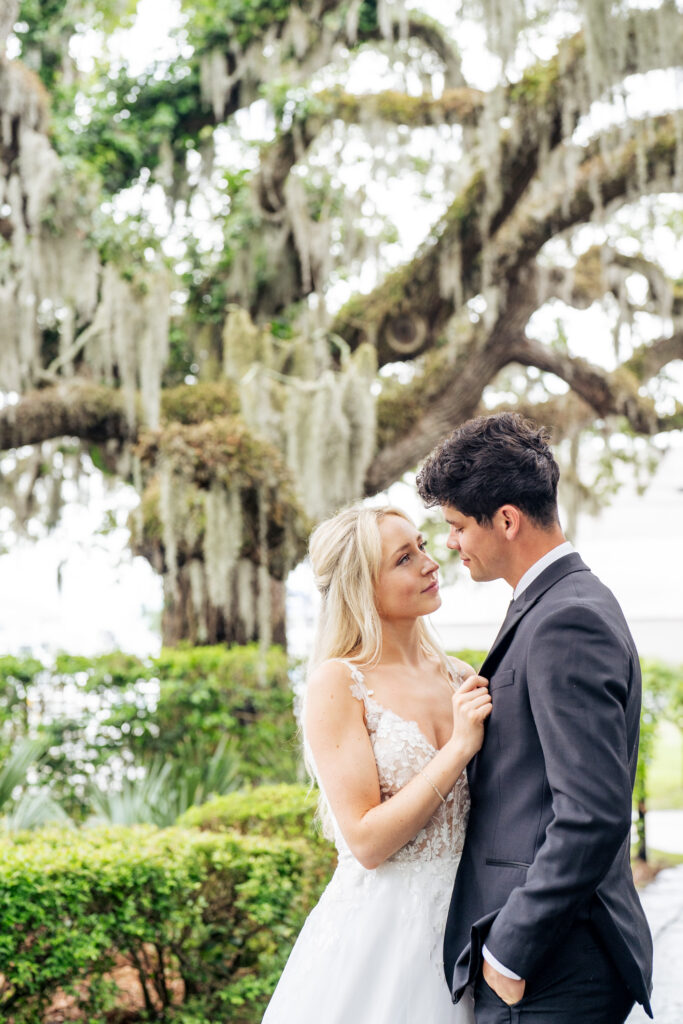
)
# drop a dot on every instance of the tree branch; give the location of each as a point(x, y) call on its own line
point(71, 409)
point(413, 417)
point(406, 314)
point(454, 106)
point(613, 393)
point(545, 85)
point(431, 33)
point(653, 356)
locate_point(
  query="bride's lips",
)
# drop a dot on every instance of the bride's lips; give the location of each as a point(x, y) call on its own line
point(431, 588)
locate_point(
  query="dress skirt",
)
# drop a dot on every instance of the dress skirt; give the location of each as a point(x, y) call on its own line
point(371, 950)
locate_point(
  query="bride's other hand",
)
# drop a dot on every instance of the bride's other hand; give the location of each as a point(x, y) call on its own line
point(471, 707)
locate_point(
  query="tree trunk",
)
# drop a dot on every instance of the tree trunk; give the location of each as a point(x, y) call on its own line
point(641, 830)
point(196, 620)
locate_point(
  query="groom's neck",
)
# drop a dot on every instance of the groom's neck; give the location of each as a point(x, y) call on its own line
point(531, 544)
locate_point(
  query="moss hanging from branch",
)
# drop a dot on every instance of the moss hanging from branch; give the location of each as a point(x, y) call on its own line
point(222, 498)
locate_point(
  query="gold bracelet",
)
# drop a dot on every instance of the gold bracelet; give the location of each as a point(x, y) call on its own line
point(441, 797)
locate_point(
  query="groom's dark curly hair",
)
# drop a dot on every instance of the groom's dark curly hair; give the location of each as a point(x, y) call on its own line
point(492, 461)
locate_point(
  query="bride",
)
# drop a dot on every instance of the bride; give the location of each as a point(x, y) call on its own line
point(389, 724)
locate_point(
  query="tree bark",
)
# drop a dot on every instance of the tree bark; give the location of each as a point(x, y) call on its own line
point(72, 408)
point(180, 621)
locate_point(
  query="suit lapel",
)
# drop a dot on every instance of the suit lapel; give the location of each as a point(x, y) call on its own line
point(548, 578)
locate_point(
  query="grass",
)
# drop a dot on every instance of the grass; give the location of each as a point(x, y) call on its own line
point(657, 860)
point(665, 773)
point(665, 793)
point(667, 860)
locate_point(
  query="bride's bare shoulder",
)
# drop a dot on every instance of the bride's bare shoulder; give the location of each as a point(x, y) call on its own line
point(331, 679)
point(330, 701)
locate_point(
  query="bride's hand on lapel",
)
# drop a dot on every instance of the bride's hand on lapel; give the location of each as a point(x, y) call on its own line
point(471, 707)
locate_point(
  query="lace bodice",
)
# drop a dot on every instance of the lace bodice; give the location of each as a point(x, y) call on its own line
point(401, 750)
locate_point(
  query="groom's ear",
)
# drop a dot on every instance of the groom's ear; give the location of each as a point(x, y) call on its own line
point(509, 520)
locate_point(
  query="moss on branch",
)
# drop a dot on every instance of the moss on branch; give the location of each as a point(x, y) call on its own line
point(72, 409)
point(223, 452)
point(218, 449)
point(199, 402)
point(400, 406)
point(460, 106)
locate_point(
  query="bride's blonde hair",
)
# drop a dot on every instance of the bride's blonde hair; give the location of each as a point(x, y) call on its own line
point(346, 554)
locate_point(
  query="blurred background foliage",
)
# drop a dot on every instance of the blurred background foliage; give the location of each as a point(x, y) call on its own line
point(127, 740)
point(131, 740)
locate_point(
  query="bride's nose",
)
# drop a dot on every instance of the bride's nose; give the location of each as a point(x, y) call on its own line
point(430, 566)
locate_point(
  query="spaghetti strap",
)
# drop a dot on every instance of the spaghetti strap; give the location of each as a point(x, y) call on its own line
point(358, 686)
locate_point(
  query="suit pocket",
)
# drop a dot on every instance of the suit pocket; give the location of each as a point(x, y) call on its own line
point(501, 679)
point(484, 989)
point(493, 862)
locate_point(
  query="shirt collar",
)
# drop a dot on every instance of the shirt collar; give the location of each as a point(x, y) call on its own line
point(537, 568)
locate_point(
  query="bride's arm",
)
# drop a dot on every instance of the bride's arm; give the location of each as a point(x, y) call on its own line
point(339, 741)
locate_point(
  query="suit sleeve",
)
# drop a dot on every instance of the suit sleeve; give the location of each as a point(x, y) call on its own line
point(578, 676)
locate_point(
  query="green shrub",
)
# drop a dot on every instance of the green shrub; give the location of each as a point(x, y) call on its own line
point(471, 656)
point(218, 910)
point(282, 810)
point(211, 692)
point(178, 708)
point(17, 678)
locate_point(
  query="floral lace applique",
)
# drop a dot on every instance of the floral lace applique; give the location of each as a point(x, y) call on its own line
point(401, 750)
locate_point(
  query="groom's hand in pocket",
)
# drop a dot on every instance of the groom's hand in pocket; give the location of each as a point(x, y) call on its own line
point(507, 989)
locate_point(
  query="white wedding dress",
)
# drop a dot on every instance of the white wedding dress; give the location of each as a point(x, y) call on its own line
point(370, 952)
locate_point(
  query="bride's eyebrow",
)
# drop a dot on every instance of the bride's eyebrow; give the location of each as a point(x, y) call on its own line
point(408, 544)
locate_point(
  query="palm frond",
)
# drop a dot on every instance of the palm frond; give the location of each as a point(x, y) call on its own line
point(15, 769)
point(168, 788)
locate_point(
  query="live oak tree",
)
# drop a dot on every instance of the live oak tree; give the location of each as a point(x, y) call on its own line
point(169, 289)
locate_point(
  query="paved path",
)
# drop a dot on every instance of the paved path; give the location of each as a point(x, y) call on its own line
point(663, 904)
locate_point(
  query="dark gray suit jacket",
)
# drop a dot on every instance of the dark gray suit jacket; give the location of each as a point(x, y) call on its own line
point(549, 832)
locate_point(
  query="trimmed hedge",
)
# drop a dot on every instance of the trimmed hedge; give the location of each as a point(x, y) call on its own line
point(204, 918)
point(287, 811)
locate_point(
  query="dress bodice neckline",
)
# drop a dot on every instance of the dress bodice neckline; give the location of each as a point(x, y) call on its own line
point(359, 678)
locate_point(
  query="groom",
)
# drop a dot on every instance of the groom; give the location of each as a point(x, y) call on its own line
point(544, 923)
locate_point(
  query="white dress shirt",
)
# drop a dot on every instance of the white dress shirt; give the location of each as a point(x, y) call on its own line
point(529, 576)
point(537, 568)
